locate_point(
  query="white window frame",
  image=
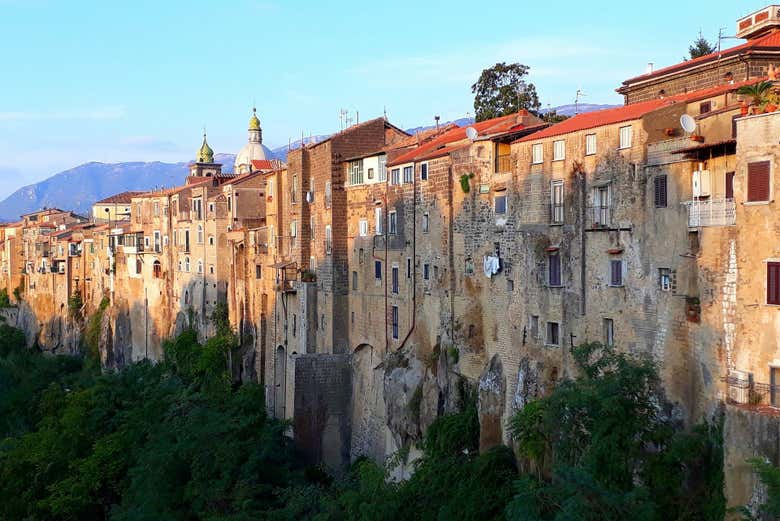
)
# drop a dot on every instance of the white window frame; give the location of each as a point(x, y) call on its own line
point(590, 144)
point(537, 153)
point(395, 176)
point(626, 137)
point(382, 169)
point(426, 223)
point(559, 150)
point(557, 195)
point(378, 224)
point(363, 228)
point(408, 174)
point(328, 240)
point(392, 222)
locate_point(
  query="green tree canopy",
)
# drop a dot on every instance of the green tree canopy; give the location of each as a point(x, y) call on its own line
point(701, 47)
point(502, 90)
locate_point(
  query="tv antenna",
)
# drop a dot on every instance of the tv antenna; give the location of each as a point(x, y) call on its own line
point(577, 97)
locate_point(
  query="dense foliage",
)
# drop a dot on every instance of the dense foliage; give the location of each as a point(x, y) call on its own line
point(502, 90)
point(179, 441)
point(700, 47)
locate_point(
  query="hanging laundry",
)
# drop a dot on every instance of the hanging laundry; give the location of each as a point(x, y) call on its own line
point(490, 265)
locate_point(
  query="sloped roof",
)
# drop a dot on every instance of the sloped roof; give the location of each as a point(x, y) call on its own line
point(770, 41)
point(599, 118)
point(500, 125)
point(124, 197)
point(265, 164)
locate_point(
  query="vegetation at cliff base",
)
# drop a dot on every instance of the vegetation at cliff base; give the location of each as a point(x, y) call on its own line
point(179, 440)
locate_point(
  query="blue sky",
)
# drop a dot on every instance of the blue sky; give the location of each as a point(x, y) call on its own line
point(129, 81)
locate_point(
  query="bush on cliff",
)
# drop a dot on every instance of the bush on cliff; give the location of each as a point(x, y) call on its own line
point(606, 452)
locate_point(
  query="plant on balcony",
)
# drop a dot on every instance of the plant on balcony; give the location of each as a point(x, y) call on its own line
point(758, 92)
point(308, 276)
point(772, 101)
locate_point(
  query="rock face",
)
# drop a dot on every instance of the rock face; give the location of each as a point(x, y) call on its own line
point(492, 386)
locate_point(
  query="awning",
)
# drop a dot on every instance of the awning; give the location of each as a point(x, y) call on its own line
point(285, 264)
point(705, 146)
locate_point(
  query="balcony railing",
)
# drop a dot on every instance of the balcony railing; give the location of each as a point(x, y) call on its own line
point(744, 391)
point(504, 164)
point(711, 212)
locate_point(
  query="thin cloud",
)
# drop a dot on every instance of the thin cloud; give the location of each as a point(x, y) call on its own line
point(100, 113)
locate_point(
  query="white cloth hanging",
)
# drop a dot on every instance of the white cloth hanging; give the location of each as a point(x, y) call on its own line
point(490, 265)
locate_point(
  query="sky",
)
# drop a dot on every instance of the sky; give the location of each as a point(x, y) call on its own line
point(119, 81)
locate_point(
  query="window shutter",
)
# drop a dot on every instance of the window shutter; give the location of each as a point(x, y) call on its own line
point(660, 191)
point(729, 185)
point(616, 273)
point(773, 283)
point(758, 181)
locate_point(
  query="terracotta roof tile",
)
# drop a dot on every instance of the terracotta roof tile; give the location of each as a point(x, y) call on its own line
point(124, 197)
point(768, 41)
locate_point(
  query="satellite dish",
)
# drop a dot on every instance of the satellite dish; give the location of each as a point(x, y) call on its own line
point(688, 123)
point(471, 133)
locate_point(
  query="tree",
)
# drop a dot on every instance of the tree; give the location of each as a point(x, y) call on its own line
point(701, 47)
point(502, 90)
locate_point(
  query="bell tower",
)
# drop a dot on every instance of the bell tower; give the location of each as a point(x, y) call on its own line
point(204, 165)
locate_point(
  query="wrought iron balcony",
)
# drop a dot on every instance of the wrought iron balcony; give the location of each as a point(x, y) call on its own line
point(711, 212)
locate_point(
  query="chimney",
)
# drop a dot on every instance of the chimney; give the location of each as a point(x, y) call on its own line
point(649, 68)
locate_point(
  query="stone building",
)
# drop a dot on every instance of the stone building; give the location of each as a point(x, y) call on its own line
point(744, 62)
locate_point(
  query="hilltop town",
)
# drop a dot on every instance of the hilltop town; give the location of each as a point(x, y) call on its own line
point(375, 272)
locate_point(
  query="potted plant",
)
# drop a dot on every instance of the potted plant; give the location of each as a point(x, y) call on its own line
point(758, 93)
point(772, 101)
point(308, 276)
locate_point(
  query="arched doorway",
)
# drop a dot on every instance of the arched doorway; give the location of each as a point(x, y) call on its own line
point(280, 382)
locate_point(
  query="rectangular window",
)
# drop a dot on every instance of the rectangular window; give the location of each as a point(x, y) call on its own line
point(729, 185)
point(537, 155)
point(556, 201)
point(625, 137)
point(408, 174)
point(258, 271)
point(327, 194)
point(705, 107)
point(559, 150)
point(758, 181)
point(354, 281)
point(425, 223)
point(426, 271)
point(609, 332)
point(294, 189)
point(370, 173)
point(356, 172)
point(382, 169)
point(395, 279)
point(378, 270)
point(293, 232)
point(664, 279)
point(157, 243)
point(554, 269)
point(601, 205)
point(499, 204)
point(424, 172)
point(395, 176)
point(392, 224)
point(156, 209)
point(378, 221)
point(294, 323)
point(773, 283)
point(395, 322)
point(328, 240)
point(616, 273)
point(533, 326)
point(660, 191)
point(590, 144)
point(553, 334)
point(312, 227)
point(363, 227)
point(408, 268)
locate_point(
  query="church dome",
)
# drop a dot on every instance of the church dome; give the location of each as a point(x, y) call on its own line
point(253, 150)
point(205, 154)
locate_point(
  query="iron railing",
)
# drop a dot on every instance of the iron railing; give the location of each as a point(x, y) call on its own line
point(711, 212)
point(748, 392)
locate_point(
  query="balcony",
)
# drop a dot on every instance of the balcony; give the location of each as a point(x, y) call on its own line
point(711, 212)
point(743, 391)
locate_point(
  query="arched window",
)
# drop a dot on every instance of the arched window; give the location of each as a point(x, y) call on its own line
point(200, 266)
point(211, 240)
point(200, 234)
point(138, 266)
point(157, 269)
point(179, 265)
point(186, 296)
point(186, 264)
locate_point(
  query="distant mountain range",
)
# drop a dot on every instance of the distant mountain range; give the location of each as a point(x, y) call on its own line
point(78, 188)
